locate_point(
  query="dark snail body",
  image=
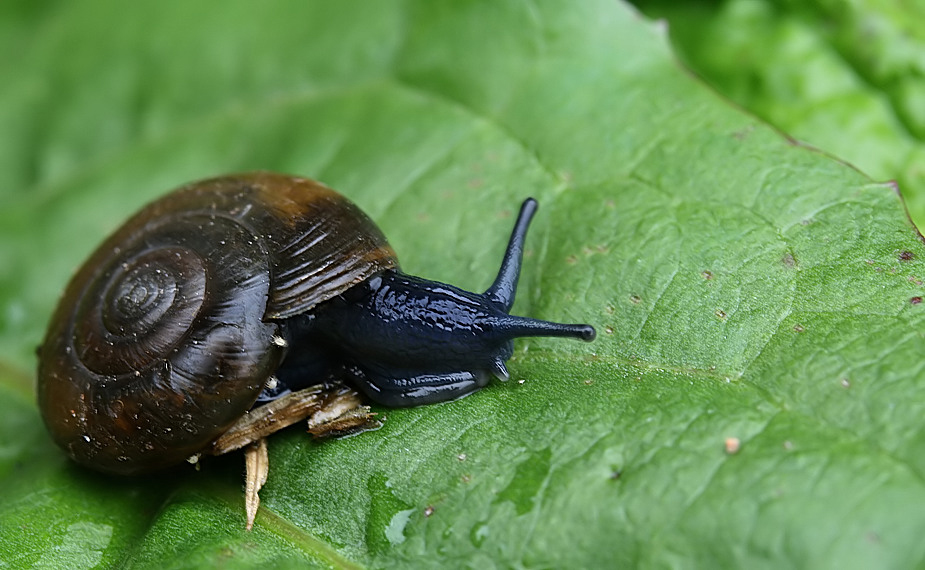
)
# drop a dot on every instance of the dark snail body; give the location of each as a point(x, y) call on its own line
point(438, 342)
point(175, 326)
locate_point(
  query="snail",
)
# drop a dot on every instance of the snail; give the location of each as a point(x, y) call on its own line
point(229, 295)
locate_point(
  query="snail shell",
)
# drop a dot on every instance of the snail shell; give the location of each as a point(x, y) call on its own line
point(170, 331)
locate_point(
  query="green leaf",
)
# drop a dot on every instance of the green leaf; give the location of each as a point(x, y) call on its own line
point(744, 288)
point(847, 77)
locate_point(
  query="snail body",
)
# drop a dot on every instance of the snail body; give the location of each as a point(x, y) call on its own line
point(240, 289)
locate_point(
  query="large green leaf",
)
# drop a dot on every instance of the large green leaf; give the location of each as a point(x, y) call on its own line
point(743, 287)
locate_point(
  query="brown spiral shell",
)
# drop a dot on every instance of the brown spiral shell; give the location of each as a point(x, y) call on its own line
point(165, 336)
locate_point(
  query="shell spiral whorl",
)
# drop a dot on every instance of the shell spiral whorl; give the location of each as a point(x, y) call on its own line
point(168, 315)
point(141, 311)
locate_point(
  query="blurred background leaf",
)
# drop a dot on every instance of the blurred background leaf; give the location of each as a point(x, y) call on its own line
point(845, 76)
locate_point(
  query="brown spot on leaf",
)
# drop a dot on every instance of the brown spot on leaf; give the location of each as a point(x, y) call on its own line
point(589, 250)
point(788, 260)
point(733, 445)
point(743, 133)
point(915, 300)
point(906, 256)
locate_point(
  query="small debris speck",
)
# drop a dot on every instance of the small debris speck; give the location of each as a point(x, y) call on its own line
point(788, 445)
point(720, 313)
point(635, 299)
point(845, 383)
point(608, 330)
point(915, 300)
point(798, 328)
point(733, 445)
point(461, 457)
point(428, 510)
point(707, 274)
